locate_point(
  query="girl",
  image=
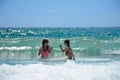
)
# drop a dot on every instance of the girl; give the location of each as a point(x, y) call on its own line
point(67, 50)
point(45, 50)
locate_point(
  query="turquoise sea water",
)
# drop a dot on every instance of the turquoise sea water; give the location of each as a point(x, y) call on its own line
point(97, 52)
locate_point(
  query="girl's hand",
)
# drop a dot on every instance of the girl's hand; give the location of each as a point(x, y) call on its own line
point(51, 48)
point(60, 46)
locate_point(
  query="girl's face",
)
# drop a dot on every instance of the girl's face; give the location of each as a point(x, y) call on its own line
point(65, 44)
point(46, 44)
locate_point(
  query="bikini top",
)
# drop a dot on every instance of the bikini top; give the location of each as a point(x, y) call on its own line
point(45, 53)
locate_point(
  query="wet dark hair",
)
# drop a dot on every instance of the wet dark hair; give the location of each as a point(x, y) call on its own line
point(67, 42)
point(43, 42)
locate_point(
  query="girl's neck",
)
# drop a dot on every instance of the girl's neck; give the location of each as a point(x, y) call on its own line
point(45, 48)
point(68, 46)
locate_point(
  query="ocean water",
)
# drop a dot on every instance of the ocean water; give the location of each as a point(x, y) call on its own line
point(97, 52)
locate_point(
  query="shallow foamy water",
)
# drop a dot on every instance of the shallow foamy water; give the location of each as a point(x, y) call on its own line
point(85, 69)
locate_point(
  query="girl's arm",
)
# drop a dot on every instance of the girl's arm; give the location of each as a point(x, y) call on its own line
point(63, 50)
point(50, 49)
point(73, 56)
point(40, 50)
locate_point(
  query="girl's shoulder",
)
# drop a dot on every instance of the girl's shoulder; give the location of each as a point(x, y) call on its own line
point(68, 48)
point(41, 48)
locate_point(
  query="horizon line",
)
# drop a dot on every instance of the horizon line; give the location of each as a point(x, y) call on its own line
point(59, 27)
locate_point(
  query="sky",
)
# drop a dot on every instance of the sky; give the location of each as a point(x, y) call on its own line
point(59, 13)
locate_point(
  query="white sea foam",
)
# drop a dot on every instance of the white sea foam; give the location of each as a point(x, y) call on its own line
point(15, 48)
point(79, 48)
point(67, 71)
point(31, 32)
point(10, 41)
point(62, 39)
point(111, 51)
